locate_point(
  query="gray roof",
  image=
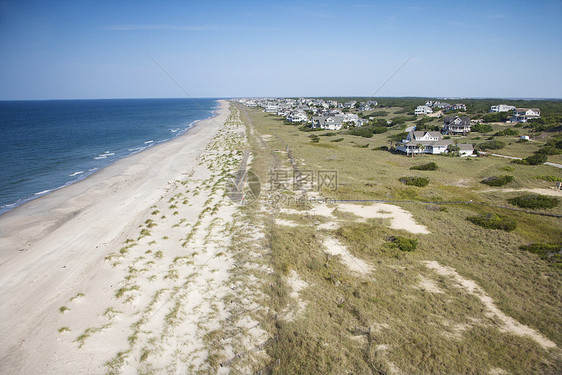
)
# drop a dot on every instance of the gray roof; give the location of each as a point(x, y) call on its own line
point(464, 121)
point(465, 147)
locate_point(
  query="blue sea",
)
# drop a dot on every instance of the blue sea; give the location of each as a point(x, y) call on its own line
point(46, 145)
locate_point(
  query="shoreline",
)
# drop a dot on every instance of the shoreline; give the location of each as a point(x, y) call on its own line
point(54, 246)
point(83, 174)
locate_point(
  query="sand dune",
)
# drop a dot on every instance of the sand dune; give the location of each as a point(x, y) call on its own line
point(126, 269)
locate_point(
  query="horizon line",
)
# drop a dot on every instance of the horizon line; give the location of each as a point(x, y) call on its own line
point(281, 97)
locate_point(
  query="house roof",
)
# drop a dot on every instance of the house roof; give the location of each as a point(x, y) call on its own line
point(449, 120)
point(465, 147)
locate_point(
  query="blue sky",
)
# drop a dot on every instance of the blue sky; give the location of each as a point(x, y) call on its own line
point(103, 49)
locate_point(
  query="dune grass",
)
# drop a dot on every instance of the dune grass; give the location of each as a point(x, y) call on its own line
point(387, 322)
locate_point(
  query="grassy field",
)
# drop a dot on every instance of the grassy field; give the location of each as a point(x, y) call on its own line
point(403, 317)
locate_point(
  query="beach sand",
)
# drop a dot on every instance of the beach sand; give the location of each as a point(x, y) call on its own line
point(119, 272)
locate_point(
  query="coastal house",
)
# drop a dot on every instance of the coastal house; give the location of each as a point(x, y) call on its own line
point(297, 117)
point(429, 142)
point(525, 114)
point(501, 108)
point(466, 149)
point(328, 122)
point(456, 125)
point(350, 104)
point(423, 110)
point(423, 142)
point(455, 107)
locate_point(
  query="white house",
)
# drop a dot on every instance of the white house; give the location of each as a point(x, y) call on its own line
point(297, 117)
point(328, 122)
point(501, 108)
point(420, 142)
point(466, 149)
point(423, 110)
point(525, 114)
point(424, 142)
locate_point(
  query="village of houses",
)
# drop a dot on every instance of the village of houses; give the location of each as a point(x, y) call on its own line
point(334, 115)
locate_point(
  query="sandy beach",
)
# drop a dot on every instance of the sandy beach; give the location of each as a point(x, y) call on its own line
point(118, 272)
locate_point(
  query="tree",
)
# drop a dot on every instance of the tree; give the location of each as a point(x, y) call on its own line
point(420, 147)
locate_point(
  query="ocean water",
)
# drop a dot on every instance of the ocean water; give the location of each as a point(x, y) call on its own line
point(46, 145)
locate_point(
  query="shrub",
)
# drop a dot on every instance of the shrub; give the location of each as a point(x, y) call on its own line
point(495, 117)
point(403, 243)
point(381, 148)
point(482, 128)
point(493, 221)
point(546, 251)
point(534, 201)
point(361, 132)
point(550, 178)
point(536, 159)
point(414, 181)
point(425, 167)
point(491, 145)
point(336, 140)
point(329, 134)
point(379, 130)
point(507, 132)
point(497, 180)
point(398, 137)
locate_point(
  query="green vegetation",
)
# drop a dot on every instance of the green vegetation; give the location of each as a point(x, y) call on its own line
point(403, 243)
point(357, 323)
point(491, 145)
point(505, 132)
point(414, 181)
point(534, 201)
point(550, 252)
point(481, 128)
point(425, 167)
point(497, 180)
point(493, 221)
point(550, 178)
point(496, 117)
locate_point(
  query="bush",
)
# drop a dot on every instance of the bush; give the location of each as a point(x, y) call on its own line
point(497, 180)
point(482, 128)
point(425, 167)
point(546, 251)
point(398, 137)
point(403, 243)
point(536, 159)
point(491, 145)
point(381, 148)
point(493, 221)
point(328, 134)
point(414, 181)
point(534, 201)
point(336, 140)
point(550, 178)
point(361, 132)
point(496, 117)
point(507, 132)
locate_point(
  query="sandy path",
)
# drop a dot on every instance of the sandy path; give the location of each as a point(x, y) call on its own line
point(509, 324)
point(132, 284)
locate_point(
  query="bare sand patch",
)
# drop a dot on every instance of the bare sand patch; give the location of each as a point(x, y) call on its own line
point(509, 324)
point(296, 284)
point(428, 284)
point(551, 192)
point(286, 223)
point(333, 247)
point(399, 218)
